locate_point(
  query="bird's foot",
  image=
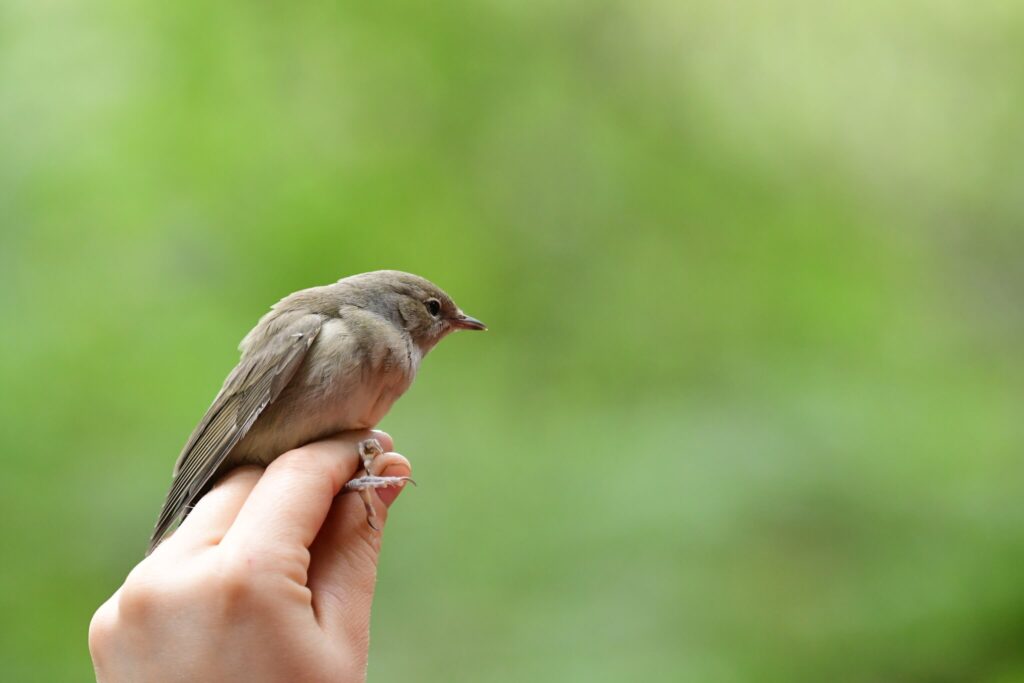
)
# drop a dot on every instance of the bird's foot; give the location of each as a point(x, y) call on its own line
point(371, 482)
point(364, 485)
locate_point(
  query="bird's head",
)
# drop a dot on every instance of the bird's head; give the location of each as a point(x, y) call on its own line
point(411, 303)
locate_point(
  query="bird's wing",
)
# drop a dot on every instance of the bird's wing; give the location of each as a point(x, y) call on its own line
point(252, 386)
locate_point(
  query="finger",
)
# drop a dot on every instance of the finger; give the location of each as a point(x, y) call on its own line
point(343, 569)
point(285, 510)
point(216, 511)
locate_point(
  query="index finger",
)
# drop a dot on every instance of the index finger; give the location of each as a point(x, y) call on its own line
point(283, 514)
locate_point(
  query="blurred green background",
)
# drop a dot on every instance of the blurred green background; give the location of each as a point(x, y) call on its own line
point(750, 405)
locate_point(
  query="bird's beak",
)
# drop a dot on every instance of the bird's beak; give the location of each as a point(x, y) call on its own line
point(465, 322)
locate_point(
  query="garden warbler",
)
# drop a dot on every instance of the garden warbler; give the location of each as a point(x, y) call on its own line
point(323, 360)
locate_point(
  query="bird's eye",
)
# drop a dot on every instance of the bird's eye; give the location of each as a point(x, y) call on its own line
point(433, 307)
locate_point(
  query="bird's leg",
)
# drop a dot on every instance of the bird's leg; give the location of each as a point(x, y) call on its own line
point(364, 484)
point(368, 450)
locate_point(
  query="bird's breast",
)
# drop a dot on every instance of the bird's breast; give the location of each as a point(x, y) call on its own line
point(350, 378)
point(367, 369)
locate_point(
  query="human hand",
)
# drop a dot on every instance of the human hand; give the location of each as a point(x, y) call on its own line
point(270, 578)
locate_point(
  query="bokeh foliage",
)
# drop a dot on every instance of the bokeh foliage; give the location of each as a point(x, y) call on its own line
point(750, 406)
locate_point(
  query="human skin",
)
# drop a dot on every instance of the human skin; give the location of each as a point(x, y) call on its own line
point(269, 579)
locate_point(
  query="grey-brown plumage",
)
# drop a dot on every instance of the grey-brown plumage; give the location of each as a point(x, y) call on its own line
point(323, 360)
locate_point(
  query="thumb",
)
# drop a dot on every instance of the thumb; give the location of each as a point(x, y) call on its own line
point(343, 562)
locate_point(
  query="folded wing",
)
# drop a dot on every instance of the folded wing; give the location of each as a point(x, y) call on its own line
point(255, 383)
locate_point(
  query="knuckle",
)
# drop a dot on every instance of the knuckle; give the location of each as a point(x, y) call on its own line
point(241, 579)
point(238, 598)
point(149, 588)
point(102, 627)
point(234, 586)
point(138, 599)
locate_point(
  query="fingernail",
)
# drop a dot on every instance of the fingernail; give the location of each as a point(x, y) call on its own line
point(384, 438)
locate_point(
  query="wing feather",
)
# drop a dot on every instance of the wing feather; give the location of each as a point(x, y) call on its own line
point(255, 383)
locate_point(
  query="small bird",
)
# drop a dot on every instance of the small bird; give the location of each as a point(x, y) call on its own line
point(323, 360)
